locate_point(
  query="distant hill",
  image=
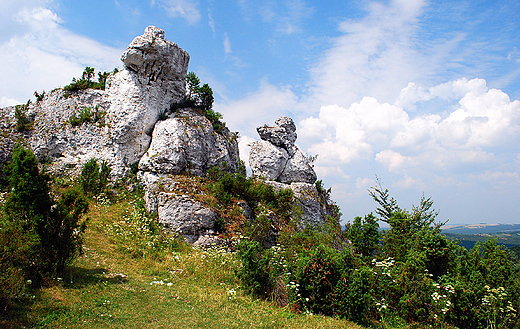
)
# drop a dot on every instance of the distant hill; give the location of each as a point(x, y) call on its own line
point(481, 228)
point(506, 234)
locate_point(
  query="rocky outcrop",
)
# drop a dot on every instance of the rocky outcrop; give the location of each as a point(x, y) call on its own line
point(178, 211)
point(123, 116)
point(187, 143)
point(276, 158)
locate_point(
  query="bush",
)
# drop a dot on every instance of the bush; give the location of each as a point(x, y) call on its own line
point(50, 232)
point(20, 114)
point(87, 114)
point(94, 179)
point(254, 273)
point(85, 82)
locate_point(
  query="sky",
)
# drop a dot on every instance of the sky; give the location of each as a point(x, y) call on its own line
point(422, 94)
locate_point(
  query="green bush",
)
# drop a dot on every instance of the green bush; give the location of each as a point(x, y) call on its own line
point(49, 231)
point(85, 82)
point(20, 114)
point(87, 114)
point(200, 97)
point(254, 270)
point(408, 273)
point(94, 179)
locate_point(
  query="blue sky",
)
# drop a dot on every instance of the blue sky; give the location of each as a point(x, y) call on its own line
point(423, 94)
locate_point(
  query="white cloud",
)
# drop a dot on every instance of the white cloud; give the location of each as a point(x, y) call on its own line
point(227, 44)
point(46, 55)
point(265, 105)
point(375, 56)
point(478, 121)
point(286, 15)
point(244, 148)
point(186, 9)
point(211, 23)
point(393, 160)
point(4, 101)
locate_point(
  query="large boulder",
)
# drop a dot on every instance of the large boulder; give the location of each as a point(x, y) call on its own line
point(172, 198)
point(187, 143)
point(275, 157)
point(267, 160)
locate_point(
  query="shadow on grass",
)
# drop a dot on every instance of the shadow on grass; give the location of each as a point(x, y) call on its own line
point(16, 313)
point(79, 277)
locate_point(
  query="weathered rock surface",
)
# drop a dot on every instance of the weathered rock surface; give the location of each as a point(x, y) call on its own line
point(283, 165)
point(177, 211)
point(313, 208)
point(283, 134)
point(298, 169)
point(187, 143)
point(275, 157)
point(153, 78)
point(267, 160)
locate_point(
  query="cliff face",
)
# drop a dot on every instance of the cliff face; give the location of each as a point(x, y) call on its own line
point(124, 118)
point(126, 125)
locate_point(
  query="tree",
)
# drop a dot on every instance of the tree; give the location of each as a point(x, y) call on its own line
point(88, 74)
point(55, 228)
point(363, 233)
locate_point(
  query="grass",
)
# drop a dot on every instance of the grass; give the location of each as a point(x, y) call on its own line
point(176, 287)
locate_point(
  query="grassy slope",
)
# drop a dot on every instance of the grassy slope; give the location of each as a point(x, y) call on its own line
point(194, 293)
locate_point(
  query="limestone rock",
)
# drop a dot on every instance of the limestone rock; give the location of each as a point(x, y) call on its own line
point(276, 157)
point(267, 160)
point(283, 134)
point(312, 209)
point(187, 217)
point(298, 169)
point(126, 112)
point(187, 143)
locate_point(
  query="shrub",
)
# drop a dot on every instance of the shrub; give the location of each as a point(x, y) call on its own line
point(87, 114)
point(254, 270)
point(200, 97)
point(94, 179)
point(51, 231)
point(20, 114)
point(85, 82)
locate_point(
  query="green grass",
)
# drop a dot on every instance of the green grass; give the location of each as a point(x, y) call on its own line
point(107, 287)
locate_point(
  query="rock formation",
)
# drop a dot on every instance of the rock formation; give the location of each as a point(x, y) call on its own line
point(276, 159)
point(153, 78)
point(127, 125)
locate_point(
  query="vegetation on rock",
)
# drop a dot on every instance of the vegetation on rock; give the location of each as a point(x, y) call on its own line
point(85, 82)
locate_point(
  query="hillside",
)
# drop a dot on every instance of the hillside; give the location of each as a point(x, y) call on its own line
point(115, 284)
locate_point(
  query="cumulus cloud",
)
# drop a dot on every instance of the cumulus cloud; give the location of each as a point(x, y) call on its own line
point(479, 120)
point(46, 55)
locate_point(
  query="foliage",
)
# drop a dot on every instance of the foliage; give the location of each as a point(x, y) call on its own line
point(85, 82)
point(139, 234)
point(94, 179)
point(254, 270)
point(39, 236)
point(87, 114)
point(20, 114)
point(200, 97)
point(39, 97)
point(407, 273)
point(364, 235)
